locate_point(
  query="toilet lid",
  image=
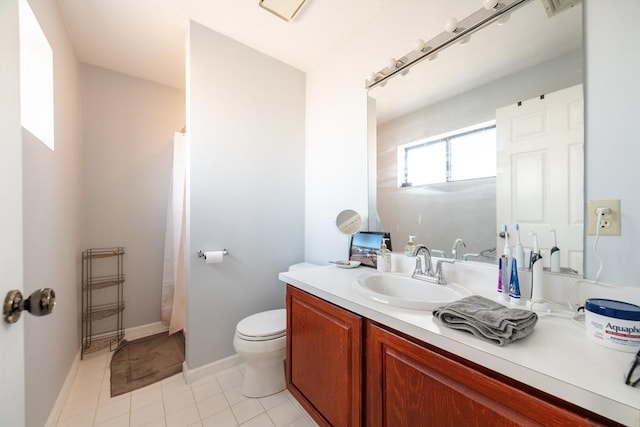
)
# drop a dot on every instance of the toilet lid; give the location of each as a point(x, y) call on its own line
point(266, 325)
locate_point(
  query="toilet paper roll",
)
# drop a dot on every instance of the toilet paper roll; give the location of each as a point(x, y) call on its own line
point(213, 257)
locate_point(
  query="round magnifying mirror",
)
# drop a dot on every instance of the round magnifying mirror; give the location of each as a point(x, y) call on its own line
point(349, 221)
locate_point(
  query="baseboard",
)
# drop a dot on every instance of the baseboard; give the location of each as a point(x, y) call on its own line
point(58, 406)
point(192, 375)
point(145, 330)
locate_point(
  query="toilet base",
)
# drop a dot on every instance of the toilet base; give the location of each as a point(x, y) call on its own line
point(263, 378)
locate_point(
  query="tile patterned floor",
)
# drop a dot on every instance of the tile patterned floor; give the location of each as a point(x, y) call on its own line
point(215, 401)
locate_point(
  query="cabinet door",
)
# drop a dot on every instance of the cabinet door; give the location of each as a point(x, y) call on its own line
point(324, 359)
point(410, 385)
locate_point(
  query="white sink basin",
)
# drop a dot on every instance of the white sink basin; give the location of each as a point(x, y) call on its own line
point(400, 290)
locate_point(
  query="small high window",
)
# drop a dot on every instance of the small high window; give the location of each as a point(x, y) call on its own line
point(468, 153)
point(36, 77)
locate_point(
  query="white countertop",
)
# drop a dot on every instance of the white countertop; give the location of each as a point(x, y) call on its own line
point(557, 358)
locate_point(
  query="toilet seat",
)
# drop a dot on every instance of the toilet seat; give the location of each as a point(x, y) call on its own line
point(265, 326)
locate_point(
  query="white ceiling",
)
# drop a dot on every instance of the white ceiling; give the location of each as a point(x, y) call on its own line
point(146, 38)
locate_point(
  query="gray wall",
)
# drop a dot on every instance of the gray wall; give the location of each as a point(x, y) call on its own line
point(128, 126)
point(51, 200)
point(438, 215)
point(612, 146)
point(245, 122)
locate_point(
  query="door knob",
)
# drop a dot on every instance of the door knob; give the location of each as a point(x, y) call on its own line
point(40, 303)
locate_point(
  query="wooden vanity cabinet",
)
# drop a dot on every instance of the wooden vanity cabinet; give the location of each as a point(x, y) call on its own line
point(324, 366)
point(346, 370)
point(409, 384)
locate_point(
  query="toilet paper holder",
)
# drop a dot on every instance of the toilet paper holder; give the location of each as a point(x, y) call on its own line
point(201, 253)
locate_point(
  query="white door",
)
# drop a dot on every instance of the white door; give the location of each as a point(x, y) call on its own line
point(540, 168)
point(11, 335)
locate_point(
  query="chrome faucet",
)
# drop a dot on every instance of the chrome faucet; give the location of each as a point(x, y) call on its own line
point(426, 272)
point(420, 270)
point(454, 249)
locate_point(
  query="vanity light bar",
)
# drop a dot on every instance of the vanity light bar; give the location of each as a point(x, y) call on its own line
point(469, 25)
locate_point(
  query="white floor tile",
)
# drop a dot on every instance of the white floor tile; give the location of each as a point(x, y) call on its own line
point(175, 386)
point(157, 423)
point(213, 401)
point(178, 401)
point(96, 373)
point(183, 417)
point(206, 390)
point(269, 402)
point(246, 410)
point(302, 422)
point(80, 420)
point(105, 397)
point(146, 396)
point(284, 414)
point(235, 396)
point(112, 410)
point(212, 405)
point(78, 406)
point(146, 414)
point(119, 421)
point(82, 388)
point(204, 380)
point(230, 379)
point(221, 419)
point(259, 421)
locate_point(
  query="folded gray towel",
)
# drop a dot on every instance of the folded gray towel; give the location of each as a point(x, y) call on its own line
point(487, 319)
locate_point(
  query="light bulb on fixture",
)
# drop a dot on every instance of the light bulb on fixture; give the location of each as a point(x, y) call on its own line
point(465, 40)
point(394, 64)
point(451, 25)
point(490, 4)
point(503, 19)
point(419, 46)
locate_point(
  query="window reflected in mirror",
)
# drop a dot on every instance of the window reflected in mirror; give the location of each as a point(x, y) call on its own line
point(457, 156)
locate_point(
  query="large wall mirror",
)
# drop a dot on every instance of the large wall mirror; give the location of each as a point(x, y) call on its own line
point(523, 76)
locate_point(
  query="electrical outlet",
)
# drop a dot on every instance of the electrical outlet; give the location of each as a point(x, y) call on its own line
point(609, 223)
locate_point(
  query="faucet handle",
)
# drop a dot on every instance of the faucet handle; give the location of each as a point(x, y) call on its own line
point(440, 252)
point(439, 273)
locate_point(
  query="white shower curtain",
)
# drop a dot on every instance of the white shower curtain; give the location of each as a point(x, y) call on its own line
point(173, 310)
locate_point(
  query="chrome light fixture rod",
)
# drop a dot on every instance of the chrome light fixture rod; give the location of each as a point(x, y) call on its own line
point(467, 26)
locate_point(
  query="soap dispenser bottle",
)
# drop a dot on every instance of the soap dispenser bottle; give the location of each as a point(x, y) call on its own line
point(411, 246)
point(384, 258)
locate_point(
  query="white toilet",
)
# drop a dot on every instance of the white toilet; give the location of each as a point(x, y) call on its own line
point(261, 340)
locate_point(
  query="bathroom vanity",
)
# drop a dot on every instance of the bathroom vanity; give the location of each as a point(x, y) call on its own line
point(353, 362)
